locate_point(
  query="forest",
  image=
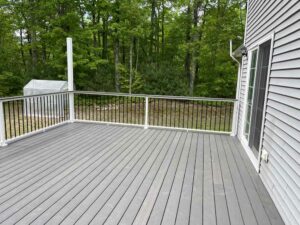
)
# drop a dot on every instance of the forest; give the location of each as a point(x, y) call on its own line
point(178, 47)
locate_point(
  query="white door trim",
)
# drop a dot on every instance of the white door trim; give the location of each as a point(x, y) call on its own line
point(256, 161)
point(271, 38)
point(244, 140)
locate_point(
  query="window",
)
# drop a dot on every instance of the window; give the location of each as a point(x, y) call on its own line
point(258, 102)
point(253, 68)
point(255, 102)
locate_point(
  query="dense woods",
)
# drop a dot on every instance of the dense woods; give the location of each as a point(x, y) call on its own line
point(178, 47)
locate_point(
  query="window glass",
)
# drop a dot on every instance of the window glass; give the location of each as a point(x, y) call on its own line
point(251, 83)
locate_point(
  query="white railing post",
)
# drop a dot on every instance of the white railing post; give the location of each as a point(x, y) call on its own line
point(70, 78)
point(146, 112)
point(2, 126)
point(71, 107)
point(234, 119)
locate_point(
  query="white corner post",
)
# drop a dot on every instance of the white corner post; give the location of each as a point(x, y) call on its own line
point(70, 78)
point(236, 103)
point(2, 126)
point(146, 112)
point(234, 119)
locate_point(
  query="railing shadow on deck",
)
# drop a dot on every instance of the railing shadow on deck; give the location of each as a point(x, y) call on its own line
point(27, 115)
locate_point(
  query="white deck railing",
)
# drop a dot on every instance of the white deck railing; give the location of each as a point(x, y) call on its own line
point(27, 115)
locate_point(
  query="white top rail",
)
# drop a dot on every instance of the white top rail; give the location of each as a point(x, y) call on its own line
point(14, 98)
point(156, 96)
point(121, 94)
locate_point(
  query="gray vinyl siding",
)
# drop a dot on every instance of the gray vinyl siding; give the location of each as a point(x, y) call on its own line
point(281, 137)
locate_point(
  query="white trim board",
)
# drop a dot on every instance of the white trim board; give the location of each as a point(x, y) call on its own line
point(256, 161)
point(243, 139)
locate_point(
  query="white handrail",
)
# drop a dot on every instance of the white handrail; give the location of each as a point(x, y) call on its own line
point(6, 99)
point(14, 98)
point(156, 96)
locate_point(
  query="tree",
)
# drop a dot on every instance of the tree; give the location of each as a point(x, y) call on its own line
point(176, 47)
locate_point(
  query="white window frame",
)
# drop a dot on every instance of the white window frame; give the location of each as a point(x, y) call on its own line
point(247, 90)
point(256, 161)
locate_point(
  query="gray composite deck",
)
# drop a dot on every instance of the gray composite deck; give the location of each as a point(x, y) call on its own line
point(99, 174)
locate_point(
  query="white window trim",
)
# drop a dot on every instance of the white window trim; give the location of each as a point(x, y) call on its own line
point(244, 140)
point(256, 161)
point(253, 89)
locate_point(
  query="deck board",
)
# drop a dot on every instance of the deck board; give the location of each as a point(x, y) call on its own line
point(209, 209)
point(234, 210)
point(258, 208)
point(111, 156)
point(159, 207)
point(171, 210)
point(196, 213)
point(222, 215)
point(246, 208)
point(84, 198)
point(98, 174)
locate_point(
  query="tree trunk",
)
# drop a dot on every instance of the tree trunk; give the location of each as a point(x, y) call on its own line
point(130, 65)
point(157, 44)
point(137, 54)
point(104, 37)
point(22, 49)
point(192, 37)
point(94, 25)
point(188, 57)
point(81, 12)
point(192, 76)
point(117, 47)
point(117, 73)
point(34, 52)
point(163, 29)
point(123, 52)
point(153, 28)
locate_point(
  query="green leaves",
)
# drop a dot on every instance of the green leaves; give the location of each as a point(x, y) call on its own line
point(154, 39)
point(10, 83)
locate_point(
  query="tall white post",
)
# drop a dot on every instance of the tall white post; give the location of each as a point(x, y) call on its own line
point(235, 119)
point(2, 126)
point(70, 78)
point(146, 112)
point(237, 97)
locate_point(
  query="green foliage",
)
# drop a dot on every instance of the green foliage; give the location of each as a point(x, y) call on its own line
point(137, 84)
point(160, 41)
point(164, 80)
point(10, 83)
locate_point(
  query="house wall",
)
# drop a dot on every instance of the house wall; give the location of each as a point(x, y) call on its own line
point(281, 136)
